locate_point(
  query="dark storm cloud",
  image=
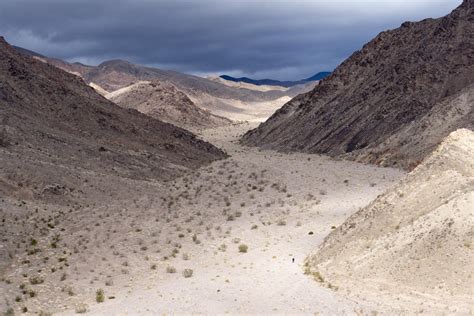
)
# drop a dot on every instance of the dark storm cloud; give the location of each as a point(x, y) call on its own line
point(283, 39)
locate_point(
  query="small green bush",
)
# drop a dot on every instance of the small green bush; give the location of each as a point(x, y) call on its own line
point(243, 248)
point(99, 296)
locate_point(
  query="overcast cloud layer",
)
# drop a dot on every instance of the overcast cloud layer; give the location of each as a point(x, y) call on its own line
point(281, 39)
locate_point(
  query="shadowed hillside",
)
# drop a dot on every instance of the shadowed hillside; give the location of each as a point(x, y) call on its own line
point(404, 79)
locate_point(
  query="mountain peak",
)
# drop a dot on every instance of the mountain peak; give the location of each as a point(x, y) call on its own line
point(115, 63)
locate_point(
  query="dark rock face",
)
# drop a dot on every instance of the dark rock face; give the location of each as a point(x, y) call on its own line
point(50, 118)
point(393, 83)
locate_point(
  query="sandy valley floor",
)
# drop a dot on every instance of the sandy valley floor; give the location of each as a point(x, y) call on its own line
point(279, 205)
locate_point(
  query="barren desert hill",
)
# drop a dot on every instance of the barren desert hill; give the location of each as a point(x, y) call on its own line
point(395, 81)
point(50, 116)
point(162, 100)
point(414, 238)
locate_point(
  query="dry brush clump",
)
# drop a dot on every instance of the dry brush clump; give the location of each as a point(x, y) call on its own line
point(243, 248)
point(99, 296)
point(81, 309)
point(187, 273)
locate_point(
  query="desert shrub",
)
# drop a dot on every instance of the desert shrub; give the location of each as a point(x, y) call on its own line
point(99, 296)
point(68, 290)
point(170, 269)
point(187, 273)
point(36, 280)
point(318, 277)
point(281, 222)
point(174, 252)
point(4, 141)
point(243, 248)
point(9, 312)
point(81, 309)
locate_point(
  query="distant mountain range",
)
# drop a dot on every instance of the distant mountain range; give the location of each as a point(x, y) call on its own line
point(116, 74)
point(220, 97)
point(271, 82)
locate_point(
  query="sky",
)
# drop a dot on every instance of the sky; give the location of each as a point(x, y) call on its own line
point(278, 39)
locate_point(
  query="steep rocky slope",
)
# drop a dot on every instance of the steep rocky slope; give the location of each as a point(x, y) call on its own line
point(45, 111)
point(161, 100)
point(56, 131)
point(398, 83)
point(414, 240)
